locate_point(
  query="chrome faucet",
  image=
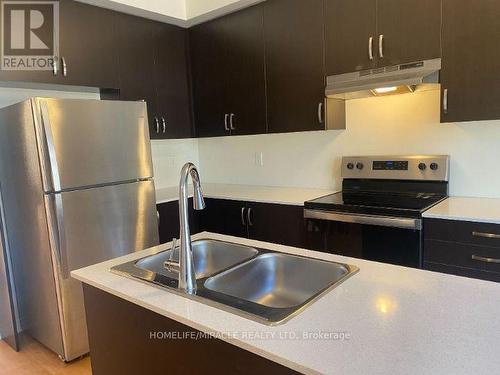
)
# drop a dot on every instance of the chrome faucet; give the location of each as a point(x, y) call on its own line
point(185, 266)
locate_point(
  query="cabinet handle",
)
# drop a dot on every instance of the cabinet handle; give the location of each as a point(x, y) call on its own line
point(64, 67)
point(249, 217)
point(486, 235)
point(157, 124)
point(231, 117)
point(370, 48)
point(226, 126)
point(320, 112)
point(381, 46)
point(485, 260)
point(164, 124)
point(55, 69)
point(243, 216)
point(445, 101)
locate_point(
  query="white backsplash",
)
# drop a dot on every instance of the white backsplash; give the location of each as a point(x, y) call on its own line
point(168, 158)
point(404, 124)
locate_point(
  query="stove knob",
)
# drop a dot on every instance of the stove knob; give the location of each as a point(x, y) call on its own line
point(434, 166)
point(360, 166)
point(350, 166)
point(422, 166)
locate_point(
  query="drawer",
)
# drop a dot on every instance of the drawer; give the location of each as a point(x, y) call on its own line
point(482, 234)
point(480, 258)
point(460, 271)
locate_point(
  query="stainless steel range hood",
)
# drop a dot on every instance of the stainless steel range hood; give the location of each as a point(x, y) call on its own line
point(416, 76)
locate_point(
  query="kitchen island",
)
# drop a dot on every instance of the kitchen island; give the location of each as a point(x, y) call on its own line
point(383, 320)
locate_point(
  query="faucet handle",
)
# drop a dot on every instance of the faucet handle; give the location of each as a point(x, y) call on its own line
point(171, 265)
point(172, 252)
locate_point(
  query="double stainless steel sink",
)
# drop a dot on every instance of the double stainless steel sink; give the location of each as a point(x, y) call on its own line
point(262, 285)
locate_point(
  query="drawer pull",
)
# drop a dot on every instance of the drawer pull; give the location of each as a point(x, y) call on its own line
point(485, 260)
point(486, 235)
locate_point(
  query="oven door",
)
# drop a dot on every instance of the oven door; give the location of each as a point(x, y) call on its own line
point(377, 238)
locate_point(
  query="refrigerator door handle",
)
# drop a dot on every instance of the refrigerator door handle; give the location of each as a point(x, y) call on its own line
point(57, 229)
point(54, 169)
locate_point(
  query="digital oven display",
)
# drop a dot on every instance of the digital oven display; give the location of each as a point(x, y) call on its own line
point(390, 165)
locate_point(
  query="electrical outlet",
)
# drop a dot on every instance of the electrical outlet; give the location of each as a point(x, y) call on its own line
point(259, 159)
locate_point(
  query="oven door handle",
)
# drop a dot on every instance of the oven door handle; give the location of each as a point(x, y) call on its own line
point(383, 221)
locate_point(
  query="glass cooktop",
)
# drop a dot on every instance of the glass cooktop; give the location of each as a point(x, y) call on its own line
point(377, 203)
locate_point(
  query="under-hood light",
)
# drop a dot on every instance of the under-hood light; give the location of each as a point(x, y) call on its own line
point(392, 90)
point(385, 90)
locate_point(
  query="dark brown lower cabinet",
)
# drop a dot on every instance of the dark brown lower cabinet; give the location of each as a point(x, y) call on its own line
point(127, 339)
point(462, 248)
point(169, 220)
point(461, 271)
point(276, 223)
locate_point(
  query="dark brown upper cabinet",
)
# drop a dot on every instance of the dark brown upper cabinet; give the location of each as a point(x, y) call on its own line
point(364, 34)
point(88, 56)
point(410, 30)
point(87, 50)
point(229, 74)
point(470, 76)
point(295, 70)
point(351, 30)
point(207, 62)
point(173, 97)
point(137, 48)
point(153, 67)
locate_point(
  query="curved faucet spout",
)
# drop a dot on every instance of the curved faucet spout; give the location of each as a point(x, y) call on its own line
point(187, 275)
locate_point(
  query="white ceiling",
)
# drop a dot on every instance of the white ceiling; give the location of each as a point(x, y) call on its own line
point(183, 13)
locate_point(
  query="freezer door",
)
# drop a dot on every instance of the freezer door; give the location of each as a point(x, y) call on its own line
point(86, 143)
point(90, 226)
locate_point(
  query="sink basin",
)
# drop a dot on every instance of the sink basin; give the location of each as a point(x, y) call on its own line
point(258, 284)
point(278, 280)
point(209, 256)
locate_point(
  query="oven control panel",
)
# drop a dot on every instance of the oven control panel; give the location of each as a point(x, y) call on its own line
point(419, 167)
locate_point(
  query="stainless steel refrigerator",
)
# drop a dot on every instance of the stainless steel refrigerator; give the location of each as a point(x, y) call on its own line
point(77, 189)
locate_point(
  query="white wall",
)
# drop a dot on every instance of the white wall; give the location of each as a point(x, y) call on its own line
point(169, 8)
point(168, 158)
point(178, 12)
point(197, 8)
point(168, 11)
point(405, 124)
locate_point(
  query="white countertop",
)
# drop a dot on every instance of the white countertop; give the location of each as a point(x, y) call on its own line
point(400, 320)
point(248, 193)
point(483, 210)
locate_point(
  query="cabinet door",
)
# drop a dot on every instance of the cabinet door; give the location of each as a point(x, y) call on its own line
point(349, 26)
point(169, 220)
point(172, 83)
point(295, 73)
point(208, 75)
point(234, 214)
point(470, 77)
point(88, 45)
point(411, 30)
point(136, 48)
point(244, 71)
point(212, 217)
point(276, 223)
